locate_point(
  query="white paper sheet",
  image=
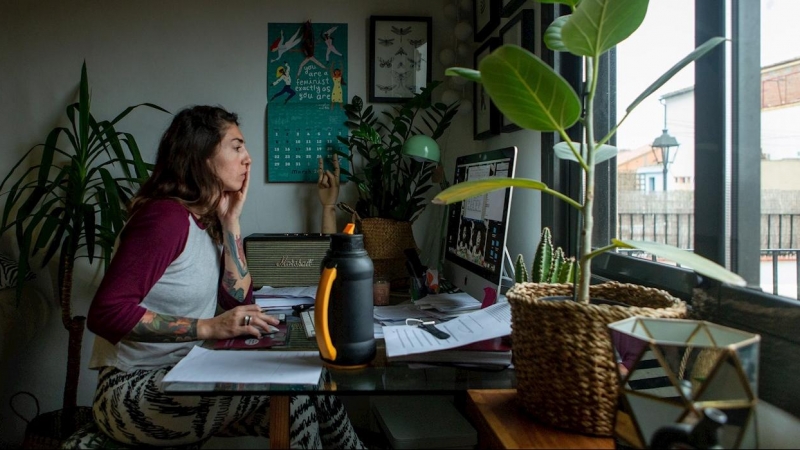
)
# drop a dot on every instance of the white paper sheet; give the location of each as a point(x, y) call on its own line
point(400, 312)
point(283, 302)
point(457, 301)
point(487, 323)
point(202, 365)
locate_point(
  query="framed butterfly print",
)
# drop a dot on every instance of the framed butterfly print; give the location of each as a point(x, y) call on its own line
point(399, 57)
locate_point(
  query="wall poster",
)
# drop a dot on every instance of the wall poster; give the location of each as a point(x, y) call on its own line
point(306, 93)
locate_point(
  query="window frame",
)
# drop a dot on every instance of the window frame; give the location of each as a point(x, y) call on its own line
point(749, 308)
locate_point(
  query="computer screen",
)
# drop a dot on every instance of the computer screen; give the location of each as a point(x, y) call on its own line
point(477, 227)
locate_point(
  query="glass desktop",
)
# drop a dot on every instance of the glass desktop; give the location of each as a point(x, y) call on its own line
point(380, 377)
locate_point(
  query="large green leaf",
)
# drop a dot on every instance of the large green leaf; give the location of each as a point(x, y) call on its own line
point(468, 189)
point(598, 25)
point(463, 72)
point(528, 91)
point(601, 153)
point(684, 258)
point(552, 36)
point(699, 52)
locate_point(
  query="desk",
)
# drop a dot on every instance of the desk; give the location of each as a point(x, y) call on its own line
point(501, 423)
point(378, 379)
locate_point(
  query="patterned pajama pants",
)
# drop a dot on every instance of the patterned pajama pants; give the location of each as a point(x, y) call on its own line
point(131, 408)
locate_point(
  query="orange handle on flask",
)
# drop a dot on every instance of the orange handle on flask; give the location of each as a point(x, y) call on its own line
point(326, 348)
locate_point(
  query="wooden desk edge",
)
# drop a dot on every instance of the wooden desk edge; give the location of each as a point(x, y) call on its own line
point(501, 423)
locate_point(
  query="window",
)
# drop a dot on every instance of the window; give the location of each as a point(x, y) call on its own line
point(727, 221)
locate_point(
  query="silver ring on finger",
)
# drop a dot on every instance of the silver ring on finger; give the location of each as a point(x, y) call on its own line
point(247, 320)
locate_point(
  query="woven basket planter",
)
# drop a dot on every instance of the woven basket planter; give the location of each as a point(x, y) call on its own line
point(385, 240)
point(564, 363)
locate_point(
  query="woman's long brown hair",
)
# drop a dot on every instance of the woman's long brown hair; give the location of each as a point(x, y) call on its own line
point(182, 172)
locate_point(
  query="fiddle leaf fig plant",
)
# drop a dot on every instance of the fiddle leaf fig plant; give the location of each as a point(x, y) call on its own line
point(534, 96)
point(72, 201)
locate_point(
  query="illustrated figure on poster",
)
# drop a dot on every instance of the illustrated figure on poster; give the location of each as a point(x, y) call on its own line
point(282, 74)
point(308, 48)
point(337, 95)
point(328, 38)
point(282, 47)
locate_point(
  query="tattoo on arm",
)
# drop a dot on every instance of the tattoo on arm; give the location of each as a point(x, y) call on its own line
point(229, 283)
point(163, 328)
point(236, 247)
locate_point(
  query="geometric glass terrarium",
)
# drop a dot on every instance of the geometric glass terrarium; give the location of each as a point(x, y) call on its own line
point(670, 370)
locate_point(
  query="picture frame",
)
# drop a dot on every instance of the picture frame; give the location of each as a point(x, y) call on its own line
point(520, 30)
point(399, 58)
point(509, 6)
point(486, 118)
point(485, 18)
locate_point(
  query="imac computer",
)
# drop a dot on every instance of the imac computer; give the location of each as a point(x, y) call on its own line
point(475, 241)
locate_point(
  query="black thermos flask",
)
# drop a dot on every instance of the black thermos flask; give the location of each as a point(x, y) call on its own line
point(343, 315)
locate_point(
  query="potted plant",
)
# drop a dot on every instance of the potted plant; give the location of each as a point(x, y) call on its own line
point(392, 186)
point(74, 206)
point(566, 369)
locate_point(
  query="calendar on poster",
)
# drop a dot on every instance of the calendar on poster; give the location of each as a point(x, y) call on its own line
point(306, 94)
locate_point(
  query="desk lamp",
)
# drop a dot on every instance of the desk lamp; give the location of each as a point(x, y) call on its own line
point(421, 148)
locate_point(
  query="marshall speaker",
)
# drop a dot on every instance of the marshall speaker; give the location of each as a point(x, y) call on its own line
point(281, 260)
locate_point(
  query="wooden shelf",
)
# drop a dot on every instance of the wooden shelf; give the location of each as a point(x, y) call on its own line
point(502, 423)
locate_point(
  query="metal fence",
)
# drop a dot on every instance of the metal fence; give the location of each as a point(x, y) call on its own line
point(780, 239)
point(778, 231)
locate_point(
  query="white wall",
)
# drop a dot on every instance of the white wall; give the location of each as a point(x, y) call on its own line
point(175, 54)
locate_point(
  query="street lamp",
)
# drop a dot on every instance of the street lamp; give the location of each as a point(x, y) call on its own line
point(665, 143)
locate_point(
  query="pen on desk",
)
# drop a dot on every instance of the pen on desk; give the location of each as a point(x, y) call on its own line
point(301, 308)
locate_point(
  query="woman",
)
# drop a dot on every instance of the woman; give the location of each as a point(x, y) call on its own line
point(336, 92)
point(180, 256)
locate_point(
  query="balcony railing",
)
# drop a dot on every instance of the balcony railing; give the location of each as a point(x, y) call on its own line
point(780, 244)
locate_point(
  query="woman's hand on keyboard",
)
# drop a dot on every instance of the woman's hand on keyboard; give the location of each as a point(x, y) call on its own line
point(235, 322)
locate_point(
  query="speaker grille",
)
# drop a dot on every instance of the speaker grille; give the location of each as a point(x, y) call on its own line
point(282, 260)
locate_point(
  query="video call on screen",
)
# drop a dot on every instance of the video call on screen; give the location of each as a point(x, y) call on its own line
point(475, 226)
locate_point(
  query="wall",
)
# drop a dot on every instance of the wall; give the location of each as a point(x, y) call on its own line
point(175, 54)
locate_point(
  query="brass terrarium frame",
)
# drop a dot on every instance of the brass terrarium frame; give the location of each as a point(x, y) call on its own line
point(682, 367)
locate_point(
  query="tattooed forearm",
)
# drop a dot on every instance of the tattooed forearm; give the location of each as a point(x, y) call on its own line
point(236, 247)
point(229, 283)
point(163, 328)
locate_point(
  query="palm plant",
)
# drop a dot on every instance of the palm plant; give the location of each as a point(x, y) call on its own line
point(534, 96)
point(74, 205)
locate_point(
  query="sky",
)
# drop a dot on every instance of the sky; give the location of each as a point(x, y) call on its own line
point(665, 37)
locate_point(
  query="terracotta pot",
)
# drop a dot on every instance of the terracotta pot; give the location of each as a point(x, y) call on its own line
point(564, 363)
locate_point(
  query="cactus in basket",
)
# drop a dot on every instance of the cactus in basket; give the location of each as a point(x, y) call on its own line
point(549, 265)
point(534, 96)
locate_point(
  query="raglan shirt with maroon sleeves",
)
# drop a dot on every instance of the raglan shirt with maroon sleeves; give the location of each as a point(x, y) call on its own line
point(165, 262)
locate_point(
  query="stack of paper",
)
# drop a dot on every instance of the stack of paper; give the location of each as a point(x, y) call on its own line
point(486, 324)
point(281, 298)
point(223, 366)
point(448, 303)
point(495, 351)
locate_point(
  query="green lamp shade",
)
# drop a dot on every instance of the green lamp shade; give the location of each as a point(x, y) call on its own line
point(421, 148)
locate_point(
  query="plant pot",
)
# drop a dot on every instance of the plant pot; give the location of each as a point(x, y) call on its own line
point(385, 240)
point(565, 367)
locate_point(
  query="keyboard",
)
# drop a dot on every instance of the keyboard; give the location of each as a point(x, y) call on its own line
point(307, 319)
